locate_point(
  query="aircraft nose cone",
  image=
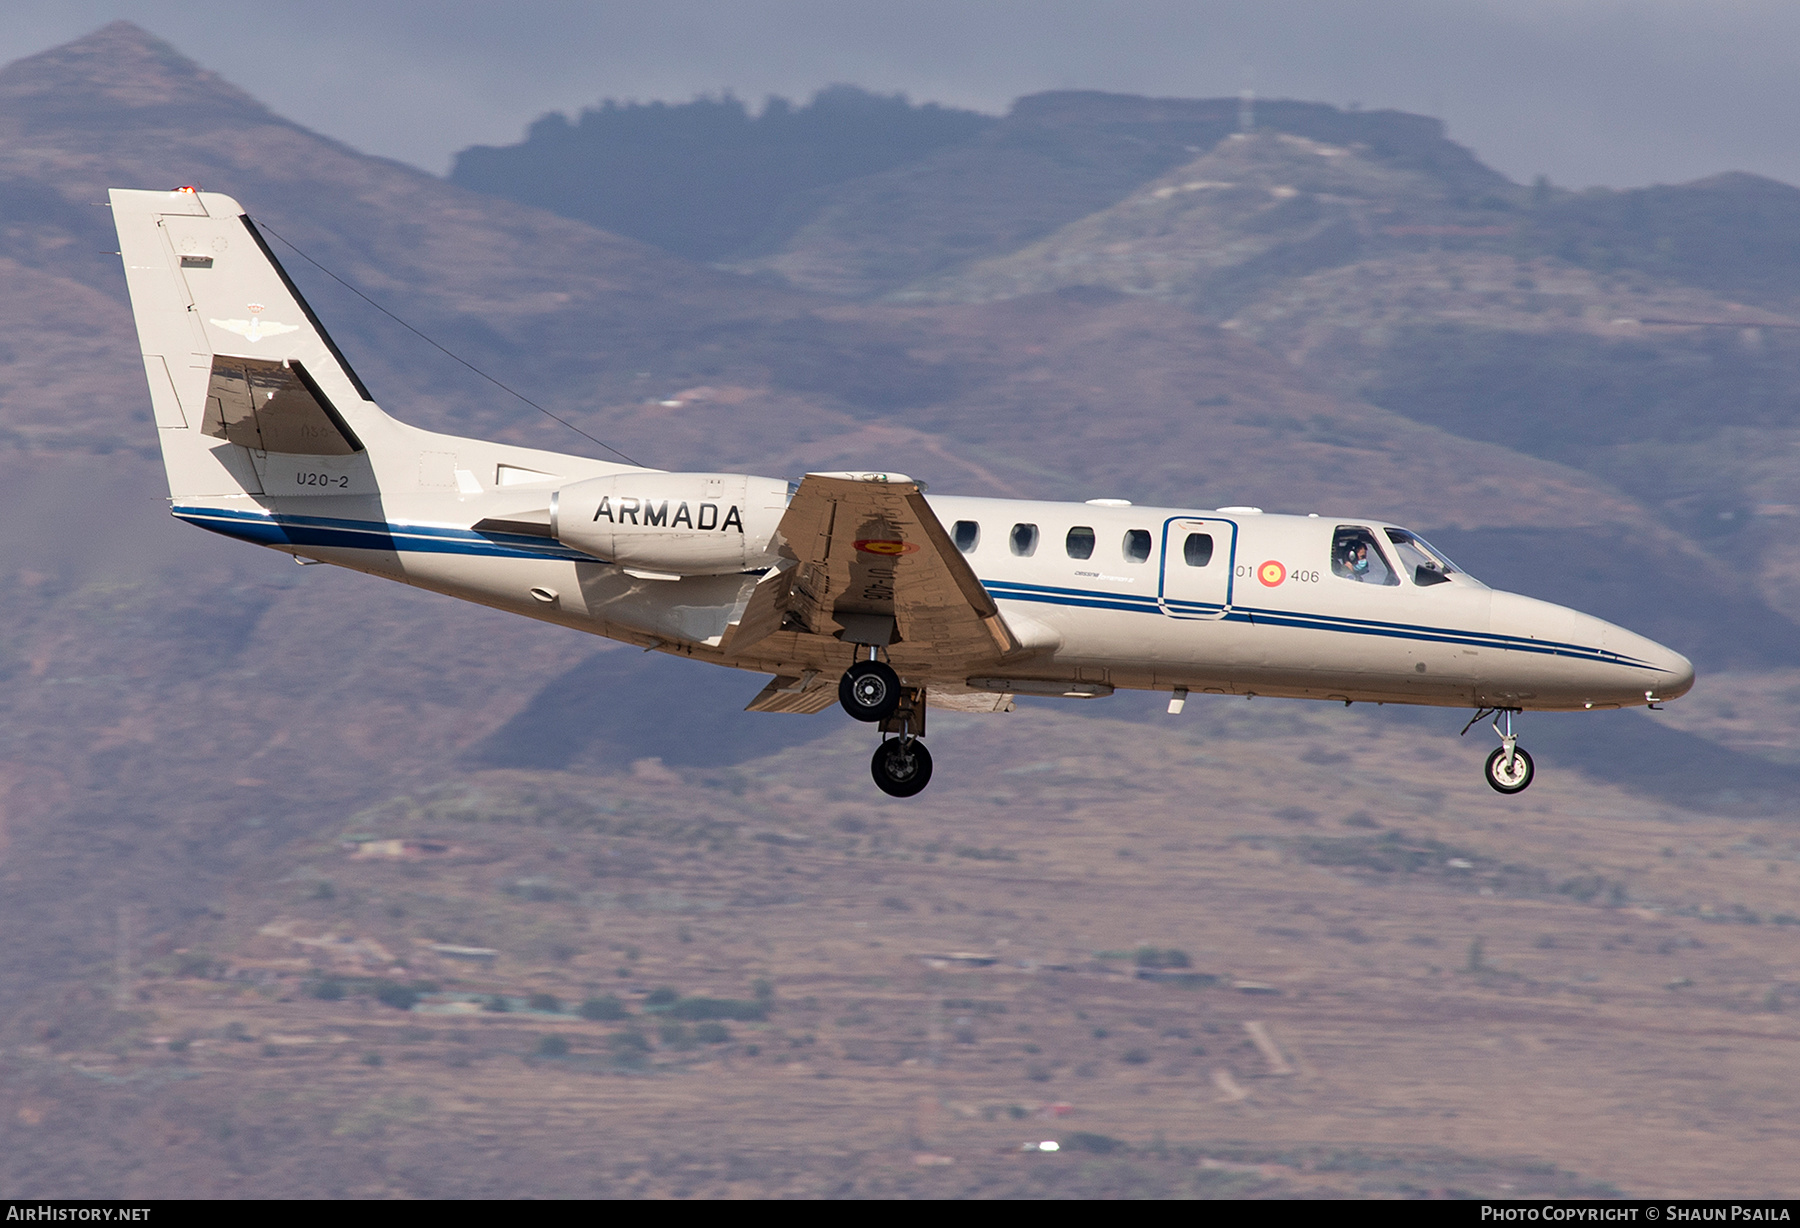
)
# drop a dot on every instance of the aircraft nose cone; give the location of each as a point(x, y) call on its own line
point(1665, 673)
point(1679, 672)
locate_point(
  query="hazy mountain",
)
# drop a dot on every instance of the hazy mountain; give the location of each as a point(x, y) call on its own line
point(1055, 158)
point(707, 179)
point(1385, 260)
point(1252, 211)
point(1736, 234)
point(1500, 317)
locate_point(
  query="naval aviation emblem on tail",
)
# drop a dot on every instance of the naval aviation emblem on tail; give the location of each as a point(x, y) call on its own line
point(255, 328)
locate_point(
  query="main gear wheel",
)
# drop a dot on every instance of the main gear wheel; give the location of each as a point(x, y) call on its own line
point(870, 691)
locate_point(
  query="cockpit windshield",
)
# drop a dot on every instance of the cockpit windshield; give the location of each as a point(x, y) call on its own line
point(1425, 563)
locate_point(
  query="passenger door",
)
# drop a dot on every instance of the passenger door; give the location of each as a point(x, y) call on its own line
point(1198, 556)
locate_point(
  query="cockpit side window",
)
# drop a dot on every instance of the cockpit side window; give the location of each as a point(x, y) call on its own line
point(1418, 559)
point(1356, 555)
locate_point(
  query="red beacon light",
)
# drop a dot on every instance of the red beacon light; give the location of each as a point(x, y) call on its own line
point(188, 187)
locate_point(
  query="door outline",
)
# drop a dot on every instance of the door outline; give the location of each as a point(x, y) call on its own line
point(1162, 578)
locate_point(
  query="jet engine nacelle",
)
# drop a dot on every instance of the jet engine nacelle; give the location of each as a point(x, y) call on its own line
point(683, 524)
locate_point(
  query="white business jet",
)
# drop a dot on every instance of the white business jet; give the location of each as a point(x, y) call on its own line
point(848, 588)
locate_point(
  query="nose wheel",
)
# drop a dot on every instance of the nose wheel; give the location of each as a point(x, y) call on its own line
point(1509, 775)
point(1509, 769)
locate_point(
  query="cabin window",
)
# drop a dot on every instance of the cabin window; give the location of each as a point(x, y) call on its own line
point(1080, 542)
point(1355, 555)
point(1024, 540)
point(1418, 559)
point(1197, 549)
point(967, 534)
point(1137, 545)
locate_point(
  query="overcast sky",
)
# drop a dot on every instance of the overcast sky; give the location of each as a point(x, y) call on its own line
point(1617, 92)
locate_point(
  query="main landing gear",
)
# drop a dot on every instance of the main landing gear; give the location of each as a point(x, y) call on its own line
point(1509, 769)
point(871, 691)
point(901, 766)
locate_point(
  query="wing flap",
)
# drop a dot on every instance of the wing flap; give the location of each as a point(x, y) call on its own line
point(805, 694)
point(763, 613)
point(971, 701)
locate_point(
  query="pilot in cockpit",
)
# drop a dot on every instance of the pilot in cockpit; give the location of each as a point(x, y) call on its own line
point(1355, 556)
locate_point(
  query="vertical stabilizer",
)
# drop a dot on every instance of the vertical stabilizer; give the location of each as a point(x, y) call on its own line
point(242, 377)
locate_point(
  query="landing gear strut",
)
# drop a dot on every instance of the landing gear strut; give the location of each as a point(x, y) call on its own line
point(902, 765)
point(1509, 769)
point(870, 691)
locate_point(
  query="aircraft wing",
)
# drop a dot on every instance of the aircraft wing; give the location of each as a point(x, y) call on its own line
point(872, 565)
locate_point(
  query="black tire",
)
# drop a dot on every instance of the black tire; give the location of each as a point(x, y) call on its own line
point(1497, 777)
point(869, 691)
point(901, 767)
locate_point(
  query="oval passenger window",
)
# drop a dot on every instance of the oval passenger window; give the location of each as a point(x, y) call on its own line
point(1137, 545)
point(1080, 542)
point(1024, 540)
point(1197, 549)
point(967, 534)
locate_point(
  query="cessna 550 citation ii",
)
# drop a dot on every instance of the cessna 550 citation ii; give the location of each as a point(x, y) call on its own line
point(848, 588)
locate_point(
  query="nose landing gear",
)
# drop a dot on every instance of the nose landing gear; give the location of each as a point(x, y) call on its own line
point(1509, 769)
point(1509, 776)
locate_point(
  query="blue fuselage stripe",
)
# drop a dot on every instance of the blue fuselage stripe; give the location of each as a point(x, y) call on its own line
point(329, 532)
point(1008, 590)
point(280, 529)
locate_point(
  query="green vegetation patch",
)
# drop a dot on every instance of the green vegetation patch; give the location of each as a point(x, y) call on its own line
point(1161, 957)
point(717, 1008)
point(602, 1009)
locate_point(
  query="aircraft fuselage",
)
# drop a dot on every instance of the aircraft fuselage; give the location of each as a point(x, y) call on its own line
point(855, 588)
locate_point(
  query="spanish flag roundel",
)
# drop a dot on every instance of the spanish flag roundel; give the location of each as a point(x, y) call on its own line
point(876, 546)
point(1271, 573)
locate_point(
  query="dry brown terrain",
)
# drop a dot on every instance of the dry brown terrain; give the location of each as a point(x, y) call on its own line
point(1578, 992)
